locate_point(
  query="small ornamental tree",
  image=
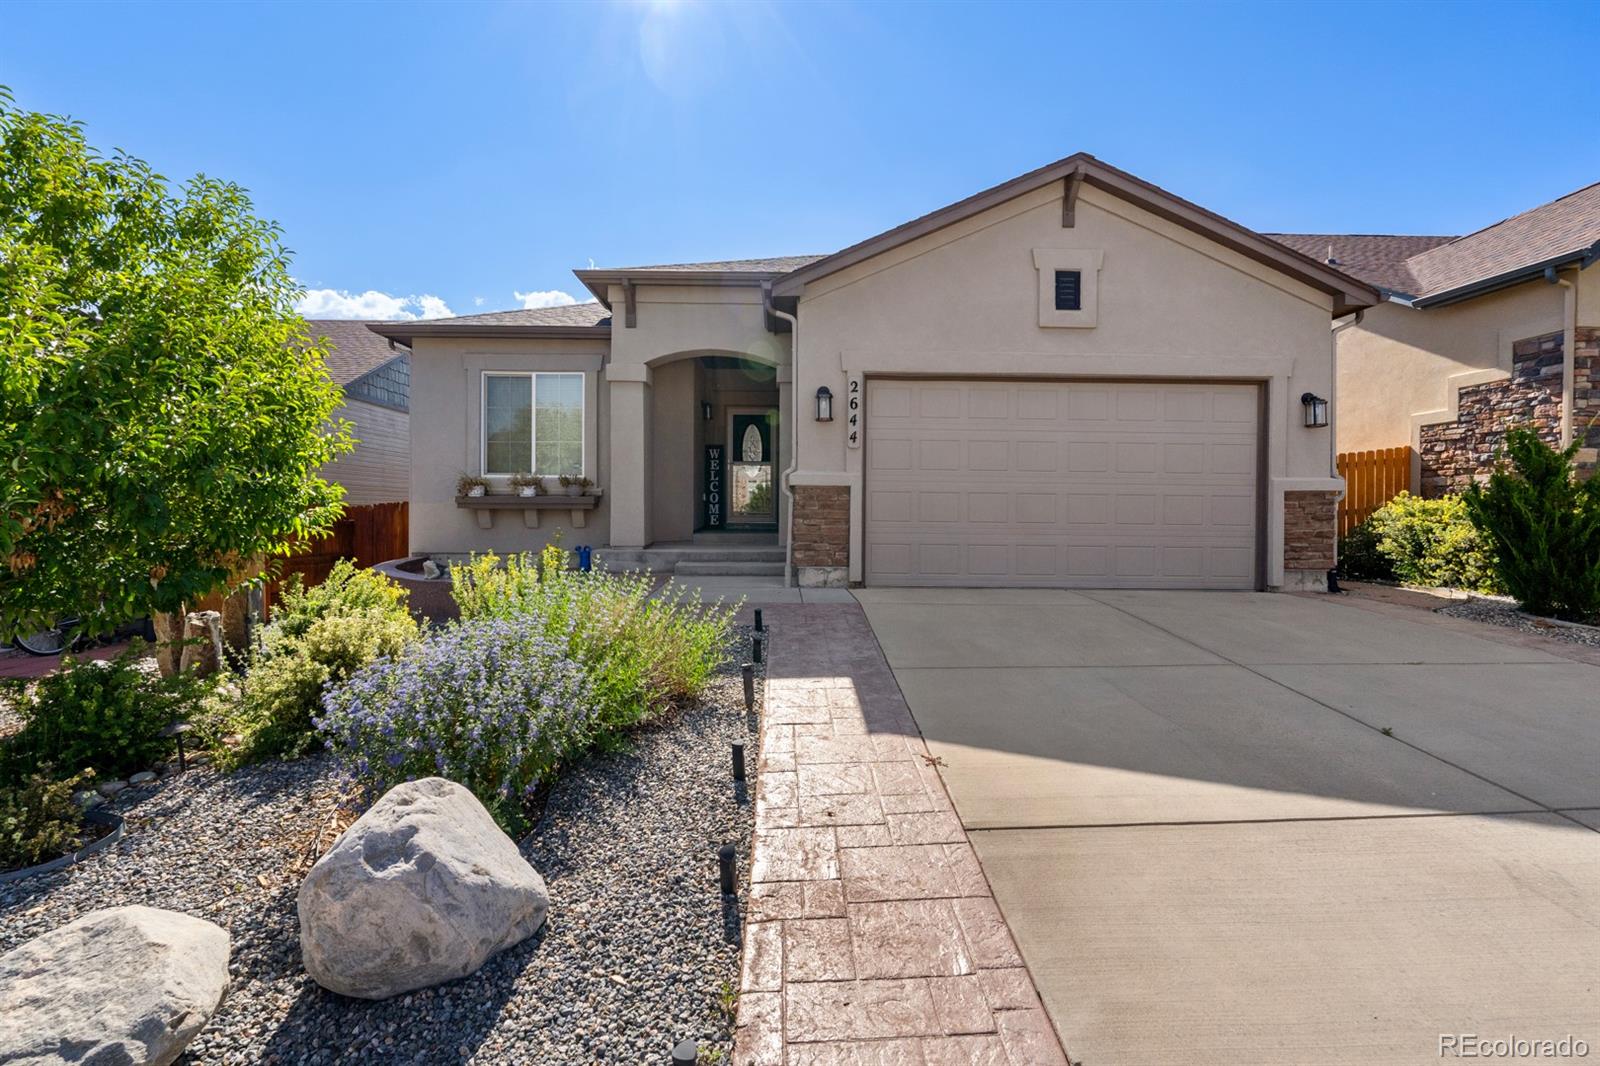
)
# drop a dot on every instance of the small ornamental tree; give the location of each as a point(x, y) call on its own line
point(163, 413)
point(1544, 525)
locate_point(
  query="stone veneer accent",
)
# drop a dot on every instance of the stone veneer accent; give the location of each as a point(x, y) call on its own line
point(1310, 530)
point(822, 526)
point(1586, 396)
point(1454, 454)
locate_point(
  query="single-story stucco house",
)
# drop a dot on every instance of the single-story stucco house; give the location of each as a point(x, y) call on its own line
point(1471, 338)
point(1074, 378)
point(376, 379)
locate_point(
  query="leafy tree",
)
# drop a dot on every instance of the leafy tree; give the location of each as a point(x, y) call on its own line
point(1544, 525)
point(163, 414)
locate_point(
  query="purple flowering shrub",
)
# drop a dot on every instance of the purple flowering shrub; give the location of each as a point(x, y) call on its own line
point(493, 704)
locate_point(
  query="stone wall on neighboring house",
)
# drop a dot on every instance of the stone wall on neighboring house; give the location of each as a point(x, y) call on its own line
point(1586, 397)
point(822, 534)
point(1455, 453)
point(1310, 535)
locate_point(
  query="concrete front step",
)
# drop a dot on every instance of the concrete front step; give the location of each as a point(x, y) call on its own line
point(698, 559)
point(691, 568)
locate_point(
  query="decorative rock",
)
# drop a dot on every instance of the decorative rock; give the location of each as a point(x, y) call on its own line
point(143, 777)
point(129, 985)
point(111, 788)
point(422, 889)
point(88, 799)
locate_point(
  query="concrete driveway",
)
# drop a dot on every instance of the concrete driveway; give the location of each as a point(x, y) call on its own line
point(1240, 829)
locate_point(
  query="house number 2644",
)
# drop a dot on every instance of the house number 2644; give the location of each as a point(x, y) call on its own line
point(853, 407)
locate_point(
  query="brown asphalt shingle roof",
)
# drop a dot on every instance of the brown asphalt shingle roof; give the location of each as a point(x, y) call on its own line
point(353, 350)
point(1421, 267)
point(776, 265)
point(584, 314)
point(1376, 258)
point(1570, 224)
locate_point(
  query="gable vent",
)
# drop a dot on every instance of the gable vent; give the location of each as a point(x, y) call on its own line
point(1069, 290)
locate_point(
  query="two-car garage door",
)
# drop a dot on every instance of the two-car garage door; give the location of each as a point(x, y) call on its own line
point(1091, 484)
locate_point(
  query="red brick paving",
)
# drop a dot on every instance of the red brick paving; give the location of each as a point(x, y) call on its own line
point(873, 939)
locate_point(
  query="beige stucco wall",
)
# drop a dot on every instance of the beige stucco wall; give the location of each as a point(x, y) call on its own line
point(379, 470)
point(446, 434)
point(965, 301)
point(654, 429)
point(1398, 363)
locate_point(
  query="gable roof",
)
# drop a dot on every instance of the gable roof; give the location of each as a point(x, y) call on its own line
point(1551, 234)
point(1435, 271)
point(353, 350)
point(1376, 258)
point(1349, 294)
point(585, 320)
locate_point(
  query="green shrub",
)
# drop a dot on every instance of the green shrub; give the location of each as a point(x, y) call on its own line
point(642, 653)
point(1360, 558)
point(105, 716)
point(317, 637)
point(1433, 543)
point(491, 704)
point(1544, 525)
point(38, 820)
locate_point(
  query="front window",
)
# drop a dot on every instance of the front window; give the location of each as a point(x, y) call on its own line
point(533, 423)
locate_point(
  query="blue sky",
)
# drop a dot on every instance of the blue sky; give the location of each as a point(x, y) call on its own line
point(427, 157)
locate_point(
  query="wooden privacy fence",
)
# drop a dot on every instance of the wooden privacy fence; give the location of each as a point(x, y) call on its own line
point(368, 534)
point(1371, 479)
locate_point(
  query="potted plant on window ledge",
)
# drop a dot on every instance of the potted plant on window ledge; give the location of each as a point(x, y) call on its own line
point(471, 485)
point(528, 484)
point(575, 486)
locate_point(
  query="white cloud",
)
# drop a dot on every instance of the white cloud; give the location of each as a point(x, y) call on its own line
point(337, 303)
point(477, 301)
point(547, 298)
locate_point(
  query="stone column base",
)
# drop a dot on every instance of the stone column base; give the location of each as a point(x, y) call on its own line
point(822, 577)
point(1304, 581)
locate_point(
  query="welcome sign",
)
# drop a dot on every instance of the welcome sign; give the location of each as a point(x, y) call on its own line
point(715, 469)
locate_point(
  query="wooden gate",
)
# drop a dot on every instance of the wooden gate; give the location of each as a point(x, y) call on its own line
point(1371, 479)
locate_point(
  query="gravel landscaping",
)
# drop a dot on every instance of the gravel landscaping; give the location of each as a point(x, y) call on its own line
point(1505, 613)
point(639, 951)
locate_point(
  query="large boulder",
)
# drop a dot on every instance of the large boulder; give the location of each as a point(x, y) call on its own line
point(424, 888)
point(128, 985)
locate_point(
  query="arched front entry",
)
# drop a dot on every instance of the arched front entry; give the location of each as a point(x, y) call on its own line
point(711, 446)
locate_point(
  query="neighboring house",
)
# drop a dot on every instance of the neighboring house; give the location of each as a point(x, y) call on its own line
point(376, 377)
point(1471, 338)
point(1072, 379)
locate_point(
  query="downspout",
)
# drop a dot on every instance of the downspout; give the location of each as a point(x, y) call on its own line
point(1333, 393)
point(1569, 349)
point(794, 431)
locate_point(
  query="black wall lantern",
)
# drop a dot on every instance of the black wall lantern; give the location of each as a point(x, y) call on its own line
point(705, 411)
point(1316, 409)
point(824, 404)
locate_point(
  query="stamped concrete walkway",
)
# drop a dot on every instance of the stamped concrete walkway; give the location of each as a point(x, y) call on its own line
point(872, 936)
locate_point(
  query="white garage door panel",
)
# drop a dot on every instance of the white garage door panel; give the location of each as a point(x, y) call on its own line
point(1091, 484)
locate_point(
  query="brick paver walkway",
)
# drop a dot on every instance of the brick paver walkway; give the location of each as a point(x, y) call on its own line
point(872, 937)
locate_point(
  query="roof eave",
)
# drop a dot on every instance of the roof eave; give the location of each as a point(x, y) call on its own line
point(599, 281)
point(1582, 257)
point(1349, 294)
point(403, 332)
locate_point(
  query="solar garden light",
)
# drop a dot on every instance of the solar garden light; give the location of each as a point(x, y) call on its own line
point(749, 671)
point(755, 648)
point(759, 627)
point(176, 731)
point(727, 862)
point(738, 760)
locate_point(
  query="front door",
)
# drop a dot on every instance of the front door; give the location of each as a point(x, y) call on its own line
point(752, 466)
